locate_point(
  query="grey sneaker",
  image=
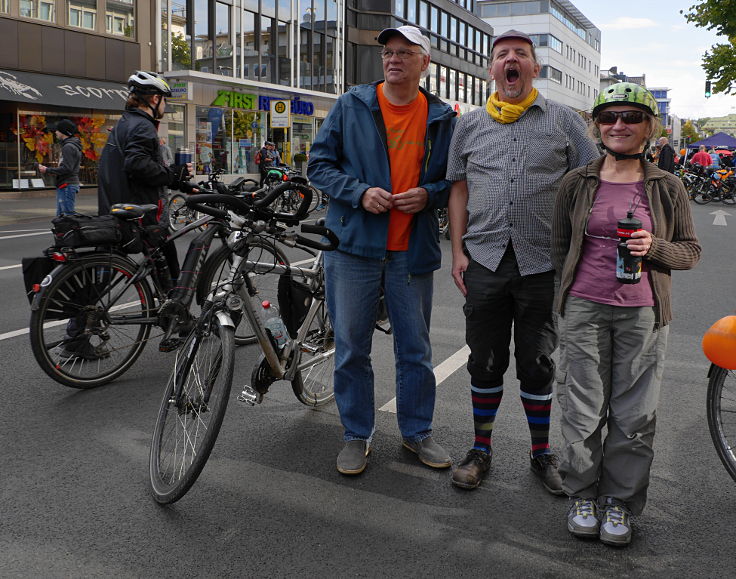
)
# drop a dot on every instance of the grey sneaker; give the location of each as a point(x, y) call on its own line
point(615, 523)
point(582, 518)
point(429, 452)
point(353, 457)
point(82, 348)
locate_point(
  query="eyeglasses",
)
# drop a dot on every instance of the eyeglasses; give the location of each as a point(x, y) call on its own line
point(401, 53)
point(628, 117)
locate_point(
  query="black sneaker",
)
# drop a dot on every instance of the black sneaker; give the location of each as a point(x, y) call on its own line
point(472, 469)
point(82, 348)
point(545, 467)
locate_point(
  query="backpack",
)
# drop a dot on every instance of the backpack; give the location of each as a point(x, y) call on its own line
point(258, 158)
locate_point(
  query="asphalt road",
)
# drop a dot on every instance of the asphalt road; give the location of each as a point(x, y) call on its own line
point(74, 479)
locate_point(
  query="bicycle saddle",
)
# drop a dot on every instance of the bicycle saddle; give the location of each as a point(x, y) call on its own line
point(130, 211)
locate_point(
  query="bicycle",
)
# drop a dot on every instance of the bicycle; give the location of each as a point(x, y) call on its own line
point(93, 314)
point(721, 407)
point(196, 395)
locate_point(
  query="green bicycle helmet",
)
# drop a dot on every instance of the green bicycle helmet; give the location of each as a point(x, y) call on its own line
point(626, 93)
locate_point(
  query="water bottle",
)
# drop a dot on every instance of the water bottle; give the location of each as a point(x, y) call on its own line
point(274, 324)
point(183, 156)
point(628, 267)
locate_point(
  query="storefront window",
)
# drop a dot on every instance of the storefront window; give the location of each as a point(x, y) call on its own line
point(212, 140)
point(248, 134)
point(302, 136)
point(24, 143)
point(175, 121)
point(38, 9)
point(119, 18)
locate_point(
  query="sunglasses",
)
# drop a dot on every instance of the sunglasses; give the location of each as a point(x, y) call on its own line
point(628, 117)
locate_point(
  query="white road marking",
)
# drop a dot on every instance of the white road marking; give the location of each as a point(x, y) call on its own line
point(9, 267)
point(720, 217)
point(441, 373)
point(47, 232)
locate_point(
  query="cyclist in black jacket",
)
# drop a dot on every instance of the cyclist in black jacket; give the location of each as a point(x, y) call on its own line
point(131, 169)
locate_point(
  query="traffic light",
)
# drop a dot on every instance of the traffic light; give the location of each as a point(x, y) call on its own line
point(707, 89)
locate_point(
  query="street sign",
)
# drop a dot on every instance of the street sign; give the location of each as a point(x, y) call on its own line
point(280, 112)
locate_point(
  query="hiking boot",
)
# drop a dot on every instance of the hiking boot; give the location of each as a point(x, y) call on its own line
point(82, 348)
point(353, 457)
point(545, 467)
point(429, 452)
point(582, 518)
point(472, 469)
point(615, 523)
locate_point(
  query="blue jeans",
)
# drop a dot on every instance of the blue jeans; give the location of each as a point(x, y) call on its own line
point(353, 287)
point(65, 199)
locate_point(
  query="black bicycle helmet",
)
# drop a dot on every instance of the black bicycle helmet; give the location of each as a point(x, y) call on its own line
point(143, 82)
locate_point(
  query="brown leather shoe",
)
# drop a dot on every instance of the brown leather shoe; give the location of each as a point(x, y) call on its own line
point(472, 469)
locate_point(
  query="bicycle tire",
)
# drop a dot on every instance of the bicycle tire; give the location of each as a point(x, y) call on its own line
point(80, 297)
point(721, 407)
point(217, 269)
point(727, 195)
point(313, 383)
point(702, 198)
point(186, 430)
point(178, 214)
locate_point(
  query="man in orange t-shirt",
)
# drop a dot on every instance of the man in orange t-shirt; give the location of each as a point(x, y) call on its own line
point(381, 156)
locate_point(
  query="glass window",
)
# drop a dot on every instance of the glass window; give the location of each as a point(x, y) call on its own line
point(423, 14)
point(332, 17)
point(203, 48)
point(461, 34)
point(318, 68)
point(432, 78)
point(284, 54)
point(400, 8)
point(452, 85)
point(411, 11)
point(443, 82)
point(181, 51)
point(250, 54)
point(223, 46)
point(212, 139)
point(4, 6)
point(266, 50)
point(268, 8)
point(453, 29)
point(433, 19)
point(38, 9)
point(119, 17)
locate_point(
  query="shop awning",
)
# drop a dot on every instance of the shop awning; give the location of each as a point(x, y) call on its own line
point(33, 88)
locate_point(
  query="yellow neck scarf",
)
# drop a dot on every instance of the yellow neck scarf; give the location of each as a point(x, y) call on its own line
point(504, 112)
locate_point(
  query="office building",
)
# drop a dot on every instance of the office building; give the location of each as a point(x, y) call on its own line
point(568, 45)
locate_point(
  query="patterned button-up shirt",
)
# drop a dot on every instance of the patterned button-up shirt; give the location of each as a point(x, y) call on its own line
point(512, 172)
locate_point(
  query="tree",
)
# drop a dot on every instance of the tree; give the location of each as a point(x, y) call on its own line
point(688, 131)
point(719, 62)
point(180, 50)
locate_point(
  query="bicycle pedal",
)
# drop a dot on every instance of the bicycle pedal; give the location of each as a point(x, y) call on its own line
point(250, 396)
point(170, 344)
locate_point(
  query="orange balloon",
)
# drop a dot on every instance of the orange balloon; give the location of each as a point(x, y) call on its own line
point(719, 343)
point(682, 151)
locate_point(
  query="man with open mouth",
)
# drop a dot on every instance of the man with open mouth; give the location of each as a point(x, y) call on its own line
point(506, 161)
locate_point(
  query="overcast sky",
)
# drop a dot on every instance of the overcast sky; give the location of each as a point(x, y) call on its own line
point(651, 37)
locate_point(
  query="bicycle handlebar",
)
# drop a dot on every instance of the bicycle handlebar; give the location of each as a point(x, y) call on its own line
point(333, 240)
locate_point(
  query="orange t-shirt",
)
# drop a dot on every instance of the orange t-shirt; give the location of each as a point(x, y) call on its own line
point(406, 126)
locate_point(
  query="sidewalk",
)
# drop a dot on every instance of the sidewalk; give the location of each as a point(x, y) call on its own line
point(42, 205)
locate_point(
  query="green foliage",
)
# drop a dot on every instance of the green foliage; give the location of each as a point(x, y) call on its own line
point(719, 63)
point(180, 50)
point(688, 130)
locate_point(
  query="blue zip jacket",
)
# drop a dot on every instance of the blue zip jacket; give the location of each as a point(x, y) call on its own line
point(350, 155)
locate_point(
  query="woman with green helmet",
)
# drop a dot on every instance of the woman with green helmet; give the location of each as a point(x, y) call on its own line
point(620, 225)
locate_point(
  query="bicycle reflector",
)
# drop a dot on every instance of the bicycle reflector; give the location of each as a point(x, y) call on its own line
point(719, 343)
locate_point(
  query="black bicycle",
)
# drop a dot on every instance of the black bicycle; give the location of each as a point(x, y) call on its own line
point(721, 407)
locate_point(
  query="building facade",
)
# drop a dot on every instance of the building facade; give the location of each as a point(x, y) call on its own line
point(568, 45)
point(725, 124)
point(63, 59)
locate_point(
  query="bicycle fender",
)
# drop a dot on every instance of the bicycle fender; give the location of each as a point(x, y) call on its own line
point(225, 319)
point(45, 283)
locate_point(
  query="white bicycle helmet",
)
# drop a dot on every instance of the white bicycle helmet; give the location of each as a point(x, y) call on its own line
point(143, 82)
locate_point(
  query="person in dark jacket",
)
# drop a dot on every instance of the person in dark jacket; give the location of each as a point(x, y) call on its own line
point(666, 160)
point(381, 156)
point(66, 174)
point(131, 168)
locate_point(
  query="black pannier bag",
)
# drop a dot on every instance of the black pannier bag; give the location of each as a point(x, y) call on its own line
point(294, 301)
point(79, 230)
point(34, 270)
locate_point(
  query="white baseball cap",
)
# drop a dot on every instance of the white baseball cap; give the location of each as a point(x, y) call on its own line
point(411, 33)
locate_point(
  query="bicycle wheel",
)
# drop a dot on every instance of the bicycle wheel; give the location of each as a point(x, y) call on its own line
point(178, 213)
point(217, 270)
point(727, 195)
point(190, 416)
point(313, 383)
point(722, 415)
point(703, 196)
point(84, 332)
